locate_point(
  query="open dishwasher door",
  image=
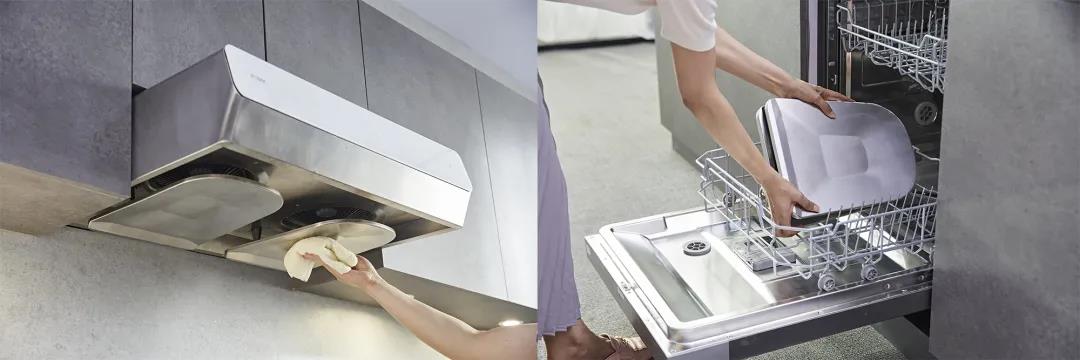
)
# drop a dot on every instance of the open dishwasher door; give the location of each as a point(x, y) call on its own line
point(713, 283)
point(714, 306)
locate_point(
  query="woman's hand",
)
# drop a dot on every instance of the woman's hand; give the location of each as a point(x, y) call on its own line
point(783, 197)
point(362, 276)
point(812, 94)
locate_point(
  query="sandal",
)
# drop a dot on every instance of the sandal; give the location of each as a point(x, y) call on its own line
point(627, 348)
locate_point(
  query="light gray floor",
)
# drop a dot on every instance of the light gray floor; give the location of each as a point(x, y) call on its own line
point(619, 166)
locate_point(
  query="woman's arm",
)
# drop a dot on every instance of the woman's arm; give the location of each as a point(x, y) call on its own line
point(735, 58)
point(694, 74)
point(444, 333)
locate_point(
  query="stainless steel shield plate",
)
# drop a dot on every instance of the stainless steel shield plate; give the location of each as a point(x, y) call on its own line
point(193, 211)
point(356, 235)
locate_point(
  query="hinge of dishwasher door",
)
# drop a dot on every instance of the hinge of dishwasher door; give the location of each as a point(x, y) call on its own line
point(613, 268)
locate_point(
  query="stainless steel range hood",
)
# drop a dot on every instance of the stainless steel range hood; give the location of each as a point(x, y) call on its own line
point(238, 158)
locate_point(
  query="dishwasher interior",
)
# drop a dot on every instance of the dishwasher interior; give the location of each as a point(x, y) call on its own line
point(891, 53)
point(712, 282)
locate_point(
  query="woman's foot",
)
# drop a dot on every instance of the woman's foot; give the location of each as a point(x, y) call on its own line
point(580, 343)
point(626, 348)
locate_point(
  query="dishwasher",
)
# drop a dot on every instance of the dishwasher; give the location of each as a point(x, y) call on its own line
point(713, 283)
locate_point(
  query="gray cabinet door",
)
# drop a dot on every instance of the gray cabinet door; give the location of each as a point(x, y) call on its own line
point(510, 134)
point(170, 35)
point(319, 41)
point(65, 90)
point(422, 87)
point(1007, 259)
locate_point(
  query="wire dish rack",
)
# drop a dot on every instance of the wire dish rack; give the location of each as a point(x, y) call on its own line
point(860, 236)
point(909, 36)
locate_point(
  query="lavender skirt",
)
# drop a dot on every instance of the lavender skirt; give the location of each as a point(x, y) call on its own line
point(559, 306)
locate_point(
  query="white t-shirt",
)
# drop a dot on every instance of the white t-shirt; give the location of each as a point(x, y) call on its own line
point(689, 23)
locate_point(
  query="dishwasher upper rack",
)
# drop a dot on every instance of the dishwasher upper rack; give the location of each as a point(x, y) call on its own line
point(861, 235)
point(909, 36)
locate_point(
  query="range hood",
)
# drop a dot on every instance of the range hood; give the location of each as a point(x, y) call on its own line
point(238, 158)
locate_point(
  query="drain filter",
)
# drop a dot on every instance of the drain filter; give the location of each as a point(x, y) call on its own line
point(926, 113)
point(696, 248)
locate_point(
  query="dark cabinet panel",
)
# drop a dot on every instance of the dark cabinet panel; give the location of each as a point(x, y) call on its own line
point(171, 35)
point(65, 90)
point(319, 41)
point(422, 87)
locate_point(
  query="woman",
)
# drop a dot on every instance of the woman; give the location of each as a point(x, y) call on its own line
point(449, 336)
point(698, 47)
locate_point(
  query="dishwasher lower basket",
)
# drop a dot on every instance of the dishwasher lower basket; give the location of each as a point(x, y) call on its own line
point(859, 236)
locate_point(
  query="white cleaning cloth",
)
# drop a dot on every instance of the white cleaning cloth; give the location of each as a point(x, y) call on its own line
point(329, 250)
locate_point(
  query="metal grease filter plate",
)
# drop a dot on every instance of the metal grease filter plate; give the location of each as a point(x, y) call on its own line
point(192, 211)
point(356, 235)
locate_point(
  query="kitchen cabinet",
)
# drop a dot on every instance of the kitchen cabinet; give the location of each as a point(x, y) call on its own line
point(320, 42)
point(422, 87)
point(510, 135)
point(1007, 260)
point(65, 111)
point(170, 36)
